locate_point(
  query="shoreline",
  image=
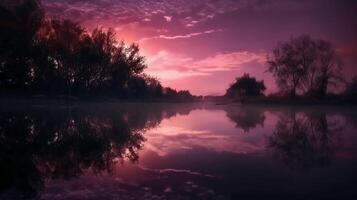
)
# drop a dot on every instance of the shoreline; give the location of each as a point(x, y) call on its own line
point(91, 99)
point(70, 100)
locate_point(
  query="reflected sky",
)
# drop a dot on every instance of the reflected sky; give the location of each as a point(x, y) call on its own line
point(209, 129)
point(177, 151)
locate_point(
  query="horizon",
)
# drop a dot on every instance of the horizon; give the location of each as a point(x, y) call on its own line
point(178, 99)
point(202, 46)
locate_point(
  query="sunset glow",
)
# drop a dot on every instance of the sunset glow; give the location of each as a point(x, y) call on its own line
point(178, 99)
point(203, 45)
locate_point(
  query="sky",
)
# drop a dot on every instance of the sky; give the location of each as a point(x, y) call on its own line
point(202, 45)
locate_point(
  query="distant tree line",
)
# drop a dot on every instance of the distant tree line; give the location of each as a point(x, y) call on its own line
point(40, 55)
point(301, 66)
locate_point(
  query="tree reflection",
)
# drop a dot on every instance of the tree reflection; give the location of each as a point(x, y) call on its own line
point(246, 118)
point(44, 144)
point(303, 140)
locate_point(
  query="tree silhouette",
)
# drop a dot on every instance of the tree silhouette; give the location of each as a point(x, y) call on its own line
point(290, 62)
point(43, 143)
point(326, 70)
point(59, 57)
point(305, 65)
point(63, 42)
point(52, 144)
point(246, 118)
point(245, 86)
point(351, 89)
point(18, 27)
point(303, 140)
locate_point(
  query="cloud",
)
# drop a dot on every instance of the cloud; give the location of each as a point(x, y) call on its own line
point(191, 23)
point(109, 12)
point(168, 74)
point(168, 18)
point(164, 59)
point(173, 37)
point(228, 61)
point(178, 134)
point(170, 66)
point(187, 30)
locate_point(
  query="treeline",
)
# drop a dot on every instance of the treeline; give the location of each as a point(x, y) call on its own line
point(40, 55)
point(304, 69)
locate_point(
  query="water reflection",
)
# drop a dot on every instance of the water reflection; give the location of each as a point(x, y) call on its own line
point(45, 143)
point(34, 148)
point(246, 118)
point(303, 140)
point(176, 151)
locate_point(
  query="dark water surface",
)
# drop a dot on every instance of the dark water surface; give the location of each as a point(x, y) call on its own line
point(177, 151)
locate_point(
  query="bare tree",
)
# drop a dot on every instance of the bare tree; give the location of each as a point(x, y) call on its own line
point(303, 65)
point(290, 63)
point(327, 69)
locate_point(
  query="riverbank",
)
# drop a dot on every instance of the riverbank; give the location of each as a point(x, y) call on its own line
point(67, 99)
point(218, 100)
point(335, 100)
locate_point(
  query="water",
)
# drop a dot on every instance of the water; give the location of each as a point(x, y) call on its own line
point(177, 151)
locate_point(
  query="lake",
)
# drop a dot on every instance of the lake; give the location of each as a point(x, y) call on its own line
point(177, 151)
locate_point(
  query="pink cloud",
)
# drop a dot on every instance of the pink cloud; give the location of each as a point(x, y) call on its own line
point(178, 133)
point(173, 37)
point(184, 43)
point(168, 18)
point(170, 66)
point(229, 61)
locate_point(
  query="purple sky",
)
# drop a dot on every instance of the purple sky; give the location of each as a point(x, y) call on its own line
point(202, 45)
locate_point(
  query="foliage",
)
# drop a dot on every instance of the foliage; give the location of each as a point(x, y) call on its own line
point(18, 27)
point(304, 65)
point(60, 57)
point(246, 118)
point(303, 140)
point(45, 142)
point(351, 89)
point(246, 86)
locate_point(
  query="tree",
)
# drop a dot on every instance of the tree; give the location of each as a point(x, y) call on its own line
point(326, 70)
point(303, 140)
point(246, 118)
point(351, 89)
point(154, 86)
point(290, 62)
point(58, 56)
point(170, 93)
point(88, 62)
point(246, 86)
point(303, 65)
point(63, 41)
point(18, 26)
point(126, 63)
